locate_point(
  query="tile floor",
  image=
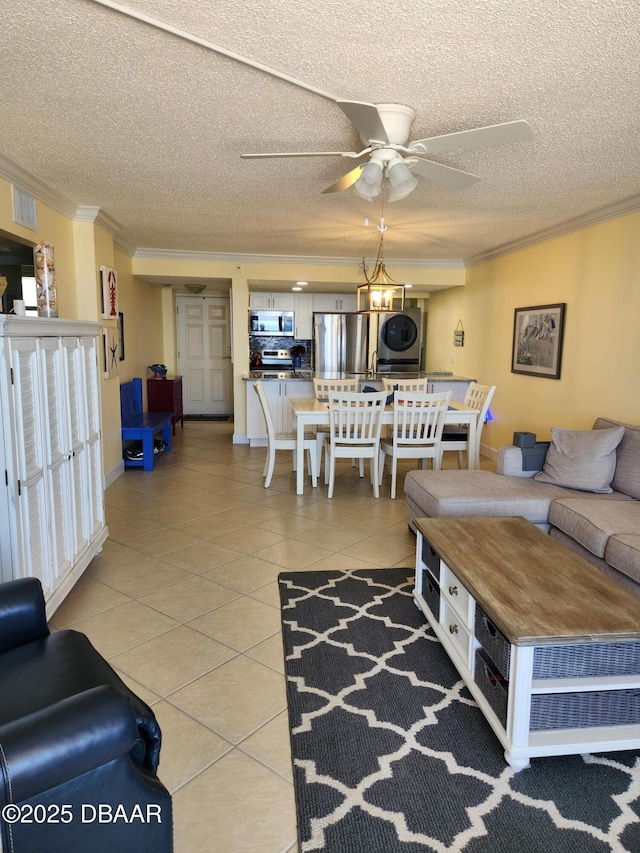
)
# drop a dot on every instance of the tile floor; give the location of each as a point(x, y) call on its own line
point(183, 602)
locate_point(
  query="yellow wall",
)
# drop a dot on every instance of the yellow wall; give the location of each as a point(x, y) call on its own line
point(241, 276)
point(54, 228)
point(80, 248)
point(141, 306)
point(595, 272)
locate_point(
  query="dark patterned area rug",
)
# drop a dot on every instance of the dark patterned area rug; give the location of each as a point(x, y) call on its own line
point(392, 755)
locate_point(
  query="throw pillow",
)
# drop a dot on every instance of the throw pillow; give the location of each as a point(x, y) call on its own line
point(582, 459)
point(627, 476)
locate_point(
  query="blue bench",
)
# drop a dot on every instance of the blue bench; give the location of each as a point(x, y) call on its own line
point(142, 426)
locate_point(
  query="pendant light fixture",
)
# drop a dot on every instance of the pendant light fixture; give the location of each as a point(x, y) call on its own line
point(380, 292)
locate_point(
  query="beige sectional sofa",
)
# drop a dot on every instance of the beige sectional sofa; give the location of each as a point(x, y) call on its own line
point(599, 520)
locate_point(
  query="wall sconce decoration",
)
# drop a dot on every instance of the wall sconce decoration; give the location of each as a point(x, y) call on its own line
point(458, 335)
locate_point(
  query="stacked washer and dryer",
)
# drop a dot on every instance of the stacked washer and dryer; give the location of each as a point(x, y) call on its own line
point(395, 341)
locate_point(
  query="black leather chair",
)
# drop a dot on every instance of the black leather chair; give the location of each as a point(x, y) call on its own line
point(78, 750)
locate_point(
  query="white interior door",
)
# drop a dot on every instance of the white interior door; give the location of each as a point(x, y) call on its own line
point(204, 355)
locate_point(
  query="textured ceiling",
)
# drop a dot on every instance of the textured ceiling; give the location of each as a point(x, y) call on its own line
point(116, 113)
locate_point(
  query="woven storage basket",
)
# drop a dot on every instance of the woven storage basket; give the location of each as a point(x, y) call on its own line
point(493, 641)
point(493, 686)
point(431, 558)
point(584, 710)
point(431, 594)
point(587, 660)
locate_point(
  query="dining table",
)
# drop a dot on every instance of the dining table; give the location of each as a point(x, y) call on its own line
point(308, 412)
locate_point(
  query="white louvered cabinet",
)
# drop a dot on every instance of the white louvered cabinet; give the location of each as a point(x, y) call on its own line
point(50, 451)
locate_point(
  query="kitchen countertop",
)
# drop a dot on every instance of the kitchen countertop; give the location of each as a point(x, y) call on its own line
point(308, 375)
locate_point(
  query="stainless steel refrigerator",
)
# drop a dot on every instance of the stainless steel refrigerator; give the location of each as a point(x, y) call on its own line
point(340, 343)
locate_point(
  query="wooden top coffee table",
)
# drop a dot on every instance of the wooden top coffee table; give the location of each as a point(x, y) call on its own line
point(548, 645)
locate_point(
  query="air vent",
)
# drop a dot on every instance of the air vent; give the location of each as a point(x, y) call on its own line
point(24, 209)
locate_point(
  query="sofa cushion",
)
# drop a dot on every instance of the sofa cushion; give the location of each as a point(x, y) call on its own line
point(582, 459)
point(620, 577)
point(442, 493)
point(623, 553)
point(592, 522)
point(627, 476)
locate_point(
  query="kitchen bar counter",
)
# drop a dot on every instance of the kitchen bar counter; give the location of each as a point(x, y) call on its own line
point(309, 375)
point(270, 375)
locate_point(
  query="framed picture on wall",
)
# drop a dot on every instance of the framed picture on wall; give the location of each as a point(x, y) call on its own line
point(537, 340)
point(109, 292)
point(110, 351)
point(121, 335)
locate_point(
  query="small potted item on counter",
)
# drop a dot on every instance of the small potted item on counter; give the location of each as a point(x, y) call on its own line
point(297, 352)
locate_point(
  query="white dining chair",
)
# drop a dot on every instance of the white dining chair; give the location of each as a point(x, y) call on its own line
point(355, 422)
point(321, 388)
point(457, 437)
point(284, 441)
point(418, 386)
point(418, 421)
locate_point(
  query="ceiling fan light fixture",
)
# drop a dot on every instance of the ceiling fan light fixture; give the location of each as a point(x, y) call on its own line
point(369, 184)
point(401, 180)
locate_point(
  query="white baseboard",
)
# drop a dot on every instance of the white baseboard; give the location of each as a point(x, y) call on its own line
point(240, 438)
point(489, 452)
point(111, 476)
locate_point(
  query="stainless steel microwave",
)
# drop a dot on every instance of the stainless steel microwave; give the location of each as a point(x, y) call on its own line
point(278, 323)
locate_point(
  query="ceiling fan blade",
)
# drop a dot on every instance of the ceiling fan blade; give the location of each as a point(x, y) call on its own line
point(302, 154)
point(345, 181)
point(366, 119)
point(495, 134)
point(455, 179)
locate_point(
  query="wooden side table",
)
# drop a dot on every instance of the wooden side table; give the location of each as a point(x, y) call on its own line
point(165, 395)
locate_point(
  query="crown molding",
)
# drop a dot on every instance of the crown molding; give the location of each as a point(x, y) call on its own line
point(294, 260)
point(124, 245)
point(576, 223)
point(17, 175)
point(91, 213)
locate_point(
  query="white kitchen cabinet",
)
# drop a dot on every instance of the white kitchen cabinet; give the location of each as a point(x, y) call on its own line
point(271, 301)
point(303, 315)
point(279, 394)
point(347, 302)
point(51, 452)
point(329, 302)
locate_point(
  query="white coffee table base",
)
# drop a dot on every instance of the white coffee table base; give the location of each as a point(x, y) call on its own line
point(529, 713)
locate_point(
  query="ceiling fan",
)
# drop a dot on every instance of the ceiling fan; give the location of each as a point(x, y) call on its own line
point(384, 130)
